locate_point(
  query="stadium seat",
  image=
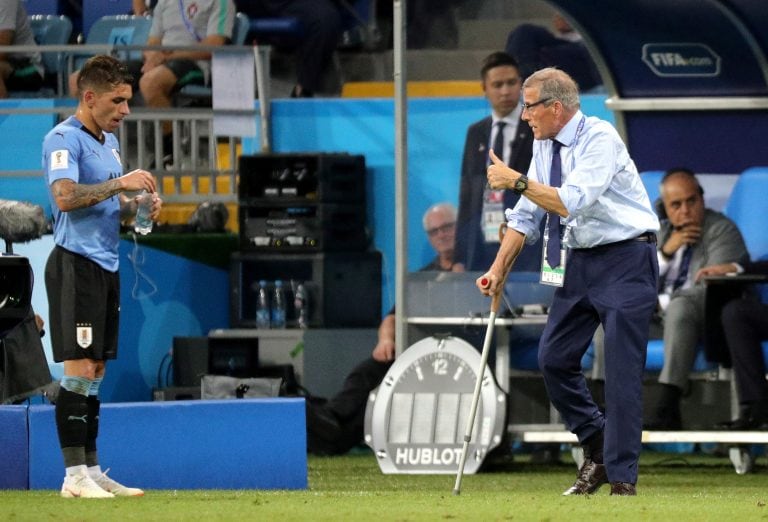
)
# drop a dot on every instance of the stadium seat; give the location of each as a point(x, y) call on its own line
point(240, 31)
point(746, 206)
point(652, 180)
point(52, 30)
point(118, 30)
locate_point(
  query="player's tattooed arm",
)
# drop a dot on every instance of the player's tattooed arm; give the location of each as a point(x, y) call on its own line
point(72, 196)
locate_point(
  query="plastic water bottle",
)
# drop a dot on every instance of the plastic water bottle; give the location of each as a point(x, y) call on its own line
point(278, 305)
point(143, 223)
point(262, 306)
point(301, 306)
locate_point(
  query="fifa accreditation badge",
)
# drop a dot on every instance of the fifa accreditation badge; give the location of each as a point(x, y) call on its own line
point(84, 336)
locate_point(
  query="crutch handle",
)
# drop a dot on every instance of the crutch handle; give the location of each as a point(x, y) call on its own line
point(496, 298)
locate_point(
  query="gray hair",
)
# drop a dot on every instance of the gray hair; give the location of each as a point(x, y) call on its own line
point(557, 85)
point(445, 207)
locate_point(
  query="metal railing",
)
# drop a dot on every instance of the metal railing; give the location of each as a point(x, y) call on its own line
point(196, 172)
point(195, 153)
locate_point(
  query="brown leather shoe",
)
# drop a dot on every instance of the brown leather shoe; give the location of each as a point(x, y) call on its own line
point(623, 488)
point(591, 477)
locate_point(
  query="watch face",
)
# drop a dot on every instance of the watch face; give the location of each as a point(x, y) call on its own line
point(416, 420)
point(521, 184)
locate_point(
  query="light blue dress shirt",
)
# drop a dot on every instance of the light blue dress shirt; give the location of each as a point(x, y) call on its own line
point(601, 188)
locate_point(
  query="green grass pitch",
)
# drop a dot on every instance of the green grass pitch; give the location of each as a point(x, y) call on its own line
point(672, 487)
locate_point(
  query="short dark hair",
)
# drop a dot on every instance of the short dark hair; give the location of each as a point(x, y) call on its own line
point(103, 72)
point(497, 59)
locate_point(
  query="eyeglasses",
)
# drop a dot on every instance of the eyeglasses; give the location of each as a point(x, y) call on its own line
point(529, 106)
point(447, 227)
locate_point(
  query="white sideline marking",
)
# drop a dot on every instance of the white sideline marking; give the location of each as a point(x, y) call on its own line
point(726, 437)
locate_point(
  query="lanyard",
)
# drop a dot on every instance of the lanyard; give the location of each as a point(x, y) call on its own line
point(579, 130)
point(187, 22)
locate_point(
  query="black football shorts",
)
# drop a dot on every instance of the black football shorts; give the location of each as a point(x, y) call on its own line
point(83, 307)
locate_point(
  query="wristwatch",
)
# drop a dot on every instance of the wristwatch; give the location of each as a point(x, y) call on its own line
point(521, 184)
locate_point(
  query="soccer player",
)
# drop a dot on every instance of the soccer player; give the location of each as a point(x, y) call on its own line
point(87, 191)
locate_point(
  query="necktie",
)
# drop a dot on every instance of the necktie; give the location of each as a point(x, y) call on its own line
point(498, 141)
point(685, 263)
point(553, 219)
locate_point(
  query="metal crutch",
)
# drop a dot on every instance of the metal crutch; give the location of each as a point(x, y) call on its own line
point(495, 301)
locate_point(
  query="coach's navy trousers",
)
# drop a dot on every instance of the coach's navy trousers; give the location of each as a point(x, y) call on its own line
point(614, 285)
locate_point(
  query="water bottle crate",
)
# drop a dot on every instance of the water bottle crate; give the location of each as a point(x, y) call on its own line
point(326, 178)
point(330, 279)
point(303, 228)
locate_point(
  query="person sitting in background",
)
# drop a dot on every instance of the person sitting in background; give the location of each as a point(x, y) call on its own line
point(691, 237)
point(18, 71)
point(745, 327)
point(536, 47)
point(321, 31)
point(335, 426)
point(481, 209)
point(164, 72)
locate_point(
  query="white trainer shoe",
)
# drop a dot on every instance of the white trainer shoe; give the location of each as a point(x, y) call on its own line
point(82, 486)
point(115, 488)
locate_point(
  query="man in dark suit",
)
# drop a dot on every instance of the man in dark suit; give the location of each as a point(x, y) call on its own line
point(745, 327)
point(481, 209)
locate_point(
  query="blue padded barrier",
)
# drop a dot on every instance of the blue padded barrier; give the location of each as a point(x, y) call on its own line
point(14, 464)
point(234, 444)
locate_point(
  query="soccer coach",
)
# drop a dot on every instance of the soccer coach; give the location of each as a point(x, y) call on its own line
point(599, 249)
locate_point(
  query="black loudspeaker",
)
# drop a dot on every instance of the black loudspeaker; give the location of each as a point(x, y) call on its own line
point(325, 178)
point(190, 360)
point(303, 228)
